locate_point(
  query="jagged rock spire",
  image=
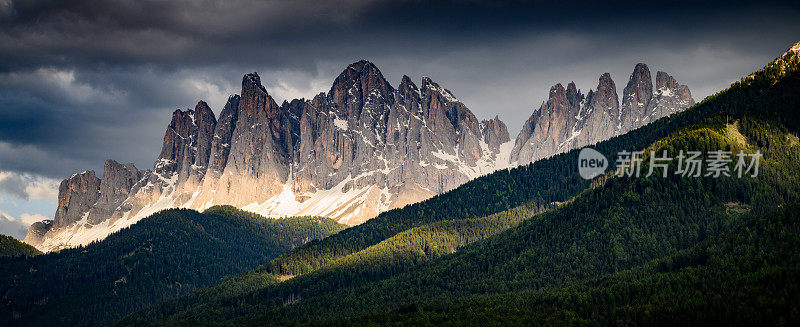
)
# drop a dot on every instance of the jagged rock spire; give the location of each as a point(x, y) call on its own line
point(354, 87)
point(635, 97)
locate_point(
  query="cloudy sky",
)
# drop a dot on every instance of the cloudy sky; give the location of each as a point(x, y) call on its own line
point(82, 81)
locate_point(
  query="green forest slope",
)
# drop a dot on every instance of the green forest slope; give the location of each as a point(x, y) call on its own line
point(168, 254)
point(11, 247)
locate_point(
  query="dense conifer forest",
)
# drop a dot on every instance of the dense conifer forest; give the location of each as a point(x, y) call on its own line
point(166, 255)
point(11, 247)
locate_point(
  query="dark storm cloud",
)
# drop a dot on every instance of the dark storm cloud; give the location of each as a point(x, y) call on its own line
point(81, 81)
point(14, 185)
point(293, 33)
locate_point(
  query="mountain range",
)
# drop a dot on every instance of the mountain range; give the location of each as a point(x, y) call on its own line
point(360, 149)
point(533, 244)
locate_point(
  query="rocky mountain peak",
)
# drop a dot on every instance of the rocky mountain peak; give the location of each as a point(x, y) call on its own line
point(252, 83)
point(494, 132)
point(636, 96)
point(666, 82)
point(223, 132)
point(408, 95)
point(605, 96)
point(448, 118)
point(558, 93)
point(175, 137)
point(571, 88)
point(640, 85)
point(112, 170)
point(574, 97)
point(203, 110)
point(605, 84)
point(669, 97)
point(76, 195)
point(431, 88)
point(361, 82)
point(179, 130)
point(115, 186)
point(37, 233)
point(363, 66)
point(560, 102)
point(551, 127)
point(206, 123)
point(255, 101)
point(187, 143)
point(427, 81)
point(407, 86)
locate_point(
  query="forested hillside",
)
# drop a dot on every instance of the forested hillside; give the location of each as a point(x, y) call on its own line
point(742, 277)
point(401, 261)
point(166, 255)
point(11, 247)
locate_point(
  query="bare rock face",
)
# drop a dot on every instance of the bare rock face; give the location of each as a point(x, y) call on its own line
point(450, 121)
point(187, 143)
point(360, 149)
point(602, 118)
point(115, 186)
point(206, 123)
point(551, 127)
point(38, 231)
point(223, 133)
point(257, 163)
point(568, 120)
point(670, 97)
point(635, 97)
point(495, 132)
point(76, 196)
point(356, 87)
point(85, 200)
